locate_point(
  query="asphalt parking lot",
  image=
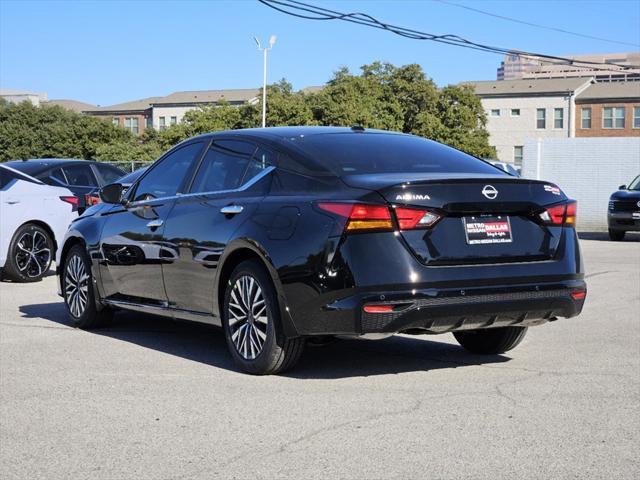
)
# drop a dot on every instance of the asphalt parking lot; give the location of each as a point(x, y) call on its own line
point(149, 398)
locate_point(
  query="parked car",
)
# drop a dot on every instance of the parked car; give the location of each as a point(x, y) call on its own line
point(35, 218)
point(93, 197)
point(624, 210)
point(507, 167)
point(79, 176)
point(283, 234)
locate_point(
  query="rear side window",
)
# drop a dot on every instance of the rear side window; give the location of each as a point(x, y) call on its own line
point(108, 173)
point(164, 179)
point(80, 176)
point(55, 177)
point(6, 177)
point(261, 160)
point(224, 166)
point(357, 153)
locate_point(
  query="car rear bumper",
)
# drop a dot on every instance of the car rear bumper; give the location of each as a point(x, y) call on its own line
point(446, 310)
point(625, 221)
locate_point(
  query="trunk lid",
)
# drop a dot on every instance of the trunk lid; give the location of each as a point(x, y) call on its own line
point(486, 218)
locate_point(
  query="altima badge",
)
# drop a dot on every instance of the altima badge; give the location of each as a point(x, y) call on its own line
point(407, 197)
point(490, 192)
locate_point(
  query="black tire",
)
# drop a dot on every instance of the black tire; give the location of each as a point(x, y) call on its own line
point(491, 341)
point(273, 352)
point(23, 267)
point(616, 235)
point(75, 276)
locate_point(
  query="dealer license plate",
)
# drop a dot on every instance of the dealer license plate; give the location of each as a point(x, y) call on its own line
point(487, 229)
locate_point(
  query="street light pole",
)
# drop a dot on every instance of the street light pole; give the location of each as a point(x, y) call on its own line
point(272, 41)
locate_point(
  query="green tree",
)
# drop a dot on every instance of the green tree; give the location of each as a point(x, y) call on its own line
point(27, 131)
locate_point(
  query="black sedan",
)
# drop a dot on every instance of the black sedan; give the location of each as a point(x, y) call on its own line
point(79, 176)
point(279, 235)
point(624, 210)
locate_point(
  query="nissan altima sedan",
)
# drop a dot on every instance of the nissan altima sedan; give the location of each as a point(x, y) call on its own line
point(280, 235)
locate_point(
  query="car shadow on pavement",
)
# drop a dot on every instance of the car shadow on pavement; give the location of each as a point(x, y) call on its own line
point(338, 359)
point(604, 237)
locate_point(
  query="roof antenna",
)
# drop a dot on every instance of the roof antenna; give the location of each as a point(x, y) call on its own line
point(357, 128)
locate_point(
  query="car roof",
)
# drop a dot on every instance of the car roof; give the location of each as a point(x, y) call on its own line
point(281, 133)
point(36, 165)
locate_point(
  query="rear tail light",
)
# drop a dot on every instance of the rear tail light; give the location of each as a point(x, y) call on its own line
point(410, 218)
point(361, 217)
point(563, 214)
point(73, 200)
point(91, 199)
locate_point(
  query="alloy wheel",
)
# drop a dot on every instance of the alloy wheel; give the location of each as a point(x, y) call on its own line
point(76, 289)
point(248, 317)
point(33, 255)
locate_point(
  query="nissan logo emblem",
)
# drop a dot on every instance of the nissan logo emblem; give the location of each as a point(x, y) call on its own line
point(638, 204)
point(490, 192)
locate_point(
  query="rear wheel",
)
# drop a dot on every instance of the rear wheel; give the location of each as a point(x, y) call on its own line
point(251, 322)
point(616, 235)
point(491, 341)
point(79, 297)
point(30, 254)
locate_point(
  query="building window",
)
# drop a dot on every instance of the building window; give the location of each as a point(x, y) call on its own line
point(115, 121)
point(131, 124)
point(515, 112)
point(586, 117)
point(518, 154)
point(558, 118)
point(162, 123)
point(541, 118)
point(636, 117)
point(613, 117)
point(495, 112)
point(173, 121)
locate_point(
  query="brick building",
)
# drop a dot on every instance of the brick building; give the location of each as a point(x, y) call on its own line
point(609, 110)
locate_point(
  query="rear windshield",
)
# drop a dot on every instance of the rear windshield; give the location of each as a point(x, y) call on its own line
point(356, 153)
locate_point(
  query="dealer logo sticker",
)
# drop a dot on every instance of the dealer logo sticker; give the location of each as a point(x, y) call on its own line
point(552, 188)
point(490, 192)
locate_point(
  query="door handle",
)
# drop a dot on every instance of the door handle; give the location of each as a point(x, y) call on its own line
point(232, 209)
point(155, 223)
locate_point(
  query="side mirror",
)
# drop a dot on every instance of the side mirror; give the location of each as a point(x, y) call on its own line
point(111, 193)
point(622, 187)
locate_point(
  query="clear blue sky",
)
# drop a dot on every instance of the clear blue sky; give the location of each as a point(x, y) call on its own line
point(105, 52)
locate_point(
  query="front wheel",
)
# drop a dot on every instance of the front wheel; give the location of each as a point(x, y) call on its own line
point(491, 341)
point(616, 235)
point(79, 296)
point(30, 254)
point(251, 322)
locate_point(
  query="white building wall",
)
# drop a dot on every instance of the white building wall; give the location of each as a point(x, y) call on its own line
point(586, 169)
point(507, 131)
point(167, 113)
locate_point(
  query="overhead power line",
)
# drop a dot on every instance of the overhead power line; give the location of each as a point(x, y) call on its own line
point(536, 25)
point(312, 12)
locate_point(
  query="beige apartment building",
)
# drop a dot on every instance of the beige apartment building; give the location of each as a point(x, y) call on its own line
point(515, 67)
point(518, 110)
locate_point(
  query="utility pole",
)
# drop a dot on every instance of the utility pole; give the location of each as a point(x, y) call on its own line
point(272, 41)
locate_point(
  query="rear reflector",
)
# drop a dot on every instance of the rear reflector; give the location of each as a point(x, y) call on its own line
point(73, 200)
point(579, 294)
point(378, 308)
point(361, 217)
point(564, 214)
